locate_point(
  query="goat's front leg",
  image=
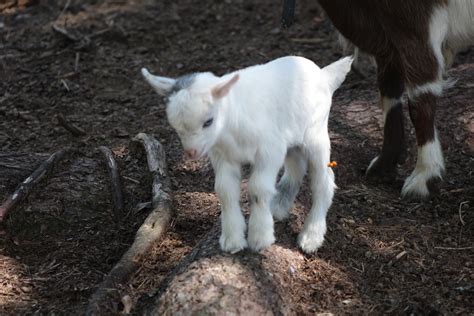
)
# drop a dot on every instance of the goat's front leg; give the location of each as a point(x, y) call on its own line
point(391, 86)
point(262, 190)
point(227, 186)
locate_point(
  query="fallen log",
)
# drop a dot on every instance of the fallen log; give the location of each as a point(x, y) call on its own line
point(107, 296)
point(210, 282)
point(115, 186)
point(25, 188)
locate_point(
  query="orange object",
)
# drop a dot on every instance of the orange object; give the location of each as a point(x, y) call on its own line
point(332, 164)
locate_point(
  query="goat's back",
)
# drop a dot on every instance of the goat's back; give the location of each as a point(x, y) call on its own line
point(288, 88)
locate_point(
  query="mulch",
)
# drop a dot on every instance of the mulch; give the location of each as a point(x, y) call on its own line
point(382, 254)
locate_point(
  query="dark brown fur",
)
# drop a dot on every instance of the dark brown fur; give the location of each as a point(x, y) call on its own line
point(396, 33)
point(422, 114)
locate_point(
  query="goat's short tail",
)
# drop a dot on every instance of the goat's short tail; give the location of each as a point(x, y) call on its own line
point(336, 72)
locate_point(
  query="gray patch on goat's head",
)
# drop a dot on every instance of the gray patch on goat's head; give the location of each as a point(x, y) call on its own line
point(183, 82)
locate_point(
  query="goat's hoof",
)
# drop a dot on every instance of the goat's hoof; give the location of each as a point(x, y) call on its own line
point(310, 241)
point(232, 244)
point(417, 188)
point(260, 240)
point(380, 170)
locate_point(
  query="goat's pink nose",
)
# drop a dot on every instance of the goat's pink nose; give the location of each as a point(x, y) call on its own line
point(190, 153)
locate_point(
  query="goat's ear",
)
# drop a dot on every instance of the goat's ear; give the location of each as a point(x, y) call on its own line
point(222, 89)
point(162, 85)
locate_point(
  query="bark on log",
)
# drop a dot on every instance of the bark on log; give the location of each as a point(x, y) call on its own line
point(210, 282)
point(106, 298)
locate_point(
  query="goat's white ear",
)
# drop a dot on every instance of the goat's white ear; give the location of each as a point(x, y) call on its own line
point(222, 89)
point(162, 85)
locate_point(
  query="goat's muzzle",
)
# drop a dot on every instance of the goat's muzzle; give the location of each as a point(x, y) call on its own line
point(190, 154)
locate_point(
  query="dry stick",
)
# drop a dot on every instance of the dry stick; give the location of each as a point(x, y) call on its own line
point(115, 185)
point(454, 248)
point(9, 166)
point(150, 231)
point(24, 189)
point(65, 33)
point(73, 129)
point(76, 62)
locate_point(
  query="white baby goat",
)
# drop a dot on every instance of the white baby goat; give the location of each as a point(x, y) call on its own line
point(267, 115)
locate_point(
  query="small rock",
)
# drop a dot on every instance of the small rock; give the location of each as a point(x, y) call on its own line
point(26, 289)
point(274, 31)
point(127, 304)
point(292, 269)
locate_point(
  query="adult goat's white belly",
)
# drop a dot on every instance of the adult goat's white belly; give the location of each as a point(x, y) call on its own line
point(461, 24)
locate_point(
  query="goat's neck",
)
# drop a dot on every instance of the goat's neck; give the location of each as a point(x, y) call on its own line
point(234, 141)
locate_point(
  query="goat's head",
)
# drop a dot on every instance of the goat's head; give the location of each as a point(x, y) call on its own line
point(193, 107)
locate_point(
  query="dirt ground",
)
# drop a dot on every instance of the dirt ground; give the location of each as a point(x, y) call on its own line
point(382, 254)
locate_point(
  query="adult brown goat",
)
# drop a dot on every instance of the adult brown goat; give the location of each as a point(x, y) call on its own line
point(407, 39)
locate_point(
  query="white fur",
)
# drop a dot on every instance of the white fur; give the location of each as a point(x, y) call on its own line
point(429, 165)
point(435, 88)
point(438, 30)
point(273, 109)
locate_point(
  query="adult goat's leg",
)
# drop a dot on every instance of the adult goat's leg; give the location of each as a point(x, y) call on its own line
point(430, 163)
point(391, 85)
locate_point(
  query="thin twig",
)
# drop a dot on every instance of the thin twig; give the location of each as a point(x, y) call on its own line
point(65, 85)
point(460, 212)
point(454, 248)
point(76, 62)
point(24, 189)
point(308, 40)
point(73, 129)
point(66, 6)
point(9, 166)
point(64, 32)
point(115, 185)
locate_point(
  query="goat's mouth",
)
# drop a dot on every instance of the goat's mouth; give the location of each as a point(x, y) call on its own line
point(193, 155)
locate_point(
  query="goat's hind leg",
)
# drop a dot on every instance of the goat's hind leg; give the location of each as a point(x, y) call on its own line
point(289, 184)
point(430, 163)
point(426, 86)
point(322, 187)
point(262, 191)
point(391, 86)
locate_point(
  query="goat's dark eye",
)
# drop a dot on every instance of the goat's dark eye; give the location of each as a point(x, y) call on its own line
point(207, 123)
